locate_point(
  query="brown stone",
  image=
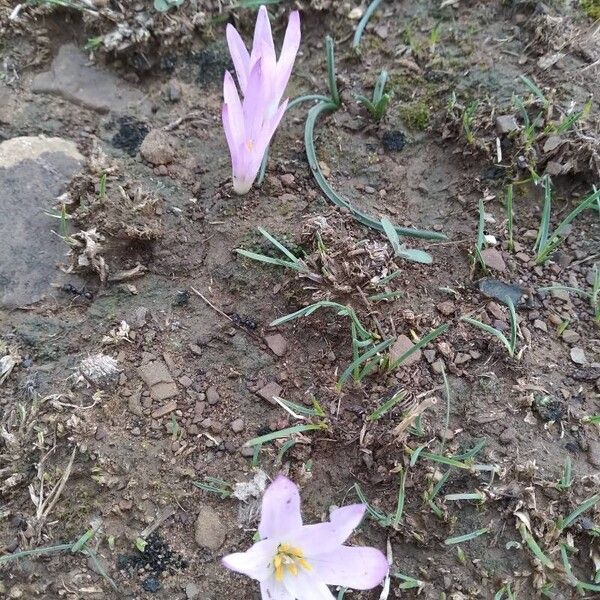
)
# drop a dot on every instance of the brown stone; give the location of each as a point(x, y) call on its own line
point(169, 407)
point(402, 345)
point(268, 391)
point(277, 344)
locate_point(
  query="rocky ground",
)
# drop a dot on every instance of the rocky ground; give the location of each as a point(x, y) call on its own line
point(137, 359)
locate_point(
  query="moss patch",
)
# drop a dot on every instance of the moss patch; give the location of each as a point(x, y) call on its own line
point(416, 115)
point(591, 8)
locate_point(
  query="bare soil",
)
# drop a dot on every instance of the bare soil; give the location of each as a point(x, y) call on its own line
point(197, 314)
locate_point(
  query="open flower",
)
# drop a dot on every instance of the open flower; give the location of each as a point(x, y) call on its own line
point(297, 562)
point(250, 123)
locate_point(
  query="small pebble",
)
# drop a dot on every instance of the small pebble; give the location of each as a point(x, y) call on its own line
point(237, 426)
point(578, 356)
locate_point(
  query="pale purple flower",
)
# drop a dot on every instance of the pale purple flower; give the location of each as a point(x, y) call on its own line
point(297, 562)
point(250, 123)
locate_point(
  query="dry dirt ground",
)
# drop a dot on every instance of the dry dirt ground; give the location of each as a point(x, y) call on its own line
point(190, 362)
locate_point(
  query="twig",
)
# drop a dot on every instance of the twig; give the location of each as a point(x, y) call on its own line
point(211, 304)
point(412, 414)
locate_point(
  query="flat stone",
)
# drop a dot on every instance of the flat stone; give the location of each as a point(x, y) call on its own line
point(493, 259)
point(157, 377)
point(237, 426)
point(446, 308)
point(212, 395)
point(594, 453)
point(493, 288)
point(33, 172)
point(158, 148)
point(72, 77)
point(438, 366)
point(268, 391)
point(560, 295)
point(401, 345)
point(506, 124)
point(578, 356)
point(169, 407)
point(209, 530)
point(277, 344)
point(541, 325)
point(461, 358)
point(552, 143)
point(570, 336)
point(192, 591)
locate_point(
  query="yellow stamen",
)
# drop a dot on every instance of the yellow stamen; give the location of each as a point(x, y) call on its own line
point(250, 145)
point(289, 559)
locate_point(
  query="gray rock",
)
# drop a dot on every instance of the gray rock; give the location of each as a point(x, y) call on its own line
point(268, 391)
point(157, 377)
point(237, 426)
point(192, 591)
point(506, 124)
point(493, 259)
point(33, 172)
point(492, 288)
point(72, 78)
point(594, 453)
point(402, 345)
point(570, 336)
point(209, 531)
point(578, 356)
point(277, 344)
point(212, 395)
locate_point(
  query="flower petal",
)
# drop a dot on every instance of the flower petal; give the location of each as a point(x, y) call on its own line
point(239, 56)
point(255, 562)
point(306, 586)
point(274, 590)
point(262, 33)
point(353, 567)
point(280, 509)
point(235, 114)
point(346, 520)
point(291, 43)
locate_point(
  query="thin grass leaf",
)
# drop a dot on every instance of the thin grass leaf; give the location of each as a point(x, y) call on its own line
point(408, 583)
point(269, 259)
point(331, 76)
point(214, 486)
point(363, 358)
point(316, 411)
point(278, 244)
point(309, 134)
point(414, 457)
point(566, 479)
point(380, 87)
point(492, 330)
point(510, 216)
point(389, 277)
point(589, 503)
point(99, 568)
point(513, 325)
point(535, 90)
point(469, 454)
point(567, 122)
point(387, 406)
point(481, 226)
point(401, 498)
point(477, 496)
point(83, 540)
point(283, 433)
point(386, 296)
point(459, 539)
point(556, 238)
point(447, 420)
point(544, 228)
point(439, 485)
point(446, 460)
point(289, 444)
point(418, 256)
point(432, 335)
point(391, 234)
point(591, 419)
point(35, 552)
point(363, 23)
point(375, 514)
point(534, 547)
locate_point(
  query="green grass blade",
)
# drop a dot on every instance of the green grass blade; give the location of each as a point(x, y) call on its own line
point(510, 216)
point(283, 433)
point(278, 245)
point(589, 503)
point(363, 23)
point(401, 498)
point(459, 539)
point(446, 460)
point(534, 89)
point(386, 296)
point(534, 547)
point(432, 335)
point(380, 87)
point(363, 358)
point(387, 406)
point(391, 233)
point(439, 485)
point(513, 325)
point(481, 226)
point(331, 77)
point(269, 259)
point(332, 195)
point(489, 329)
point(544, 228)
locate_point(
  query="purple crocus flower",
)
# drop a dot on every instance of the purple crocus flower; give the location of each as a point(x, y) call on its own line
point(250, 123)
point(297, 562)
